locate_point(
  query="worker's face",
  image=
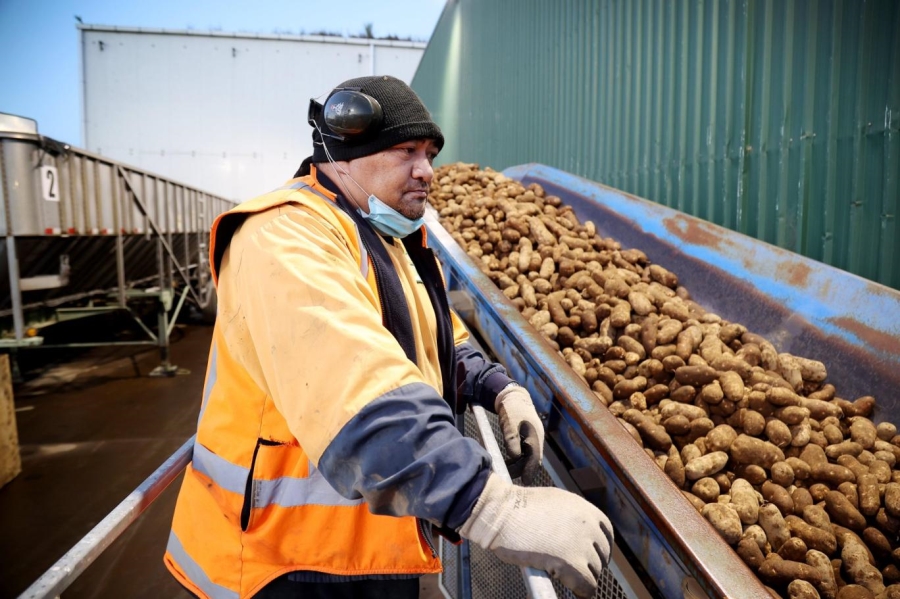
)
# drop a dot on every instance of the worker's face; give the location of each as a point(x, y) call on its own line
point(399, 176)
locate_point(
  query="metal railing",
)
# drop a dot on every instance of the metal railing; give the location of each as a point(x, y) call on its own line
point(537, 582)
point(76, 560)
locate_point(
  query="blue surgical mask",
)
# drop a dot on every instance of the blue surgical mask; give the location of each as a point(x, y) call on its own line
point(388, 221)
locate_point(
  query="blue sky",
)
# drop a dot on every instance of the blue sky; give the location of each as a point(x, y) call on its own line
point(39, 40)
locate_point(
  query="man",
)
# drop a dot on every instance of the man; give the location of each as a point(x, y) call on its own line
point(326, 448)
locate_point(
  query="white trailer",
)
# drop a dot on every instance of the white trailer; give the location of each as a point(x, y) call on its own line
point(222, 112)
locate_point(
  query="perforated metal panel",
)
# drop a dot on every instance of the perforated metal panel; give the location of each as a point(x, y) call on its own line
point(492, 578)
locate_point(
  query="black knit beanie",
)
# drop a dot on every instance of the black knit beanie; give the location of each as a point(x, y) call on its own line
point(404, 118)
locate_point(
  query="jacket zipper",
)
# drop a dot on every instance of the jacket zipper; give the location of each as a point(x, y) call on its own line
point(426, 534)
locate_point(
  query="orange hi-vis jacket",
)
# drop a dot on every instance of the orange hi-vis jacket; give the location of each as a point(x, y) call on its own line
point(299, 361)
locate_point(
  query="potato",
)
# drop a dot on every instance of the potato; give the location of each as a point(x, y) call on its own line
point(749, 450)
point(800, 469)
point(780, 396)
point(812, 536)
point(753, 423)
point(792, 415)
point(732, 385)
point(886, 431)
point(869, 495)
point(694, 500)
point(654, 435)
point(877, 543)
point(674, 468)
point(688, 411)
point(695, 375)
point(750, 552)
point(781, 572)
point(850, 492)
point(706, 489)
point(801, 434)
point(793, 549)
point(800, 589)
point(818, 491)
point(745, 501)
point(725, 520)
point(813, 455)
point(705, 465)
point(832, 474)
point(858, 469)
point(625, 388)
point(862, 406)
point(859, 570)
point(778, 495)
point(886, 522)
point(720, 438)
point(677, 425)
point(843, 448)
point(828, 586)
point(863, 432)
point(801, 498)
point(842, 511)
point(771, 521)
point(892, 500)
point(752, 473)
point(855, 591)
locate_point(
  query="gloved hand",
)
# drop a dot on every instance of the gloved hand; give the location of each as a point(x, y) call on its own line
point(544, 528)
point(520, 422)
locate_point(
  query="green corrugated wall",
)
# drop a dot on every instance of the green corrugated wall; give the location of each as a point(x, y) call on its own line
point(779, 119)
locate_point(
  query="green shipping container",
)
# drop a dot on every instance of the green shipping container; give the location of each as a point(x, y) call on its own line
point(779, 119)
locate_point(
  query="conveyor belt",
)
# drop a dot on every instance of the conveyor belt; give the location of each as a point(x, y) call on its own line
point(804, 307)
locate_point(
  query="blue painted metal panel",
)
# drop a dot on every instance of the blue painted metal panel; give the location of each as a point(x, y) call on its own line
point(802, 306)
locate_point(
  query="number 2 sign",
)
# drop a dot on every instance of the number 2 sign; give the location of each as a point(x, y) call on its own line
point(50, 183)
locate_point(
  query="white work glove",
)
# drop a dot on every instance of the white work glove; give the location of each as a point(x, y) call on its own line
point(544, 528)
point(523, 432)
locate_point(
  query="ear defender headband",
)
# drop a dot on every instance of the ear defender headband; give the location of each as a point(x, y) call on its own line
point(349, 114)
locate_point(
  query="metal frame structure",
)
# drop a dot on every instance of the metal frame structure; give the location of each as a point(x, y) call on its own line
point(119, 236)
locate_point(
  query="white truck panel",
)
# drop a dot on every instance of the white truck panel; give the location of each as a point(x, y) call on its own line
point(220, 112)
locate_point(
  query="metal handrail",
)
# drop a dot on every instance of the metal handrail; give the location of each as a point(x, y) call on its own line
point(64, 572)
point(537, 582)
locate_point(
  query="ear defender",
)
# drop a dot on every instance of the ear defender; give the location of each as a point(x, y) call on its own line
point(348, 113)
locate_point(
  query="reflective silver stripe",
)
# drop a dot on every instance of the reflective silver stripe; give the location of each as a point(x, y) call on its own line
point(228, 476)
point(194, 572)
point(294, 492)
point(285, 491)
point(210, 380)
point(363, 254)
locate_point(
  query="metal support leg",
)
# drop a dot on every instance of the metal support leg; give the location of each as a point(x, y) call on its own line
point(15, 290)
point(165, 367)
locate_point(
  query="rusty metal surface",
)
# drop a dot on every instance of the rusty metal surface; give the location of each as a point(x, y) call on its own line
point(670, 539)
point(802, 306)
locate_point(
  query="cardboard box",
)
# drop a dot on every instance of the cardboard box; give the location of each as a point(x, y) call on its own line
point(10, 461)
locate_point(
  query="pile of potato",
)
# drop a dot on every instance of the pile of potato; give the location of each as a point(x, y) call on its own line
point(800, 481)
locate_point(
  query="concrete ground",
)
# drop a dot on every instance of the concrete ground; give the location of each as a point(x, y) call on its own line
point(92, 426)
